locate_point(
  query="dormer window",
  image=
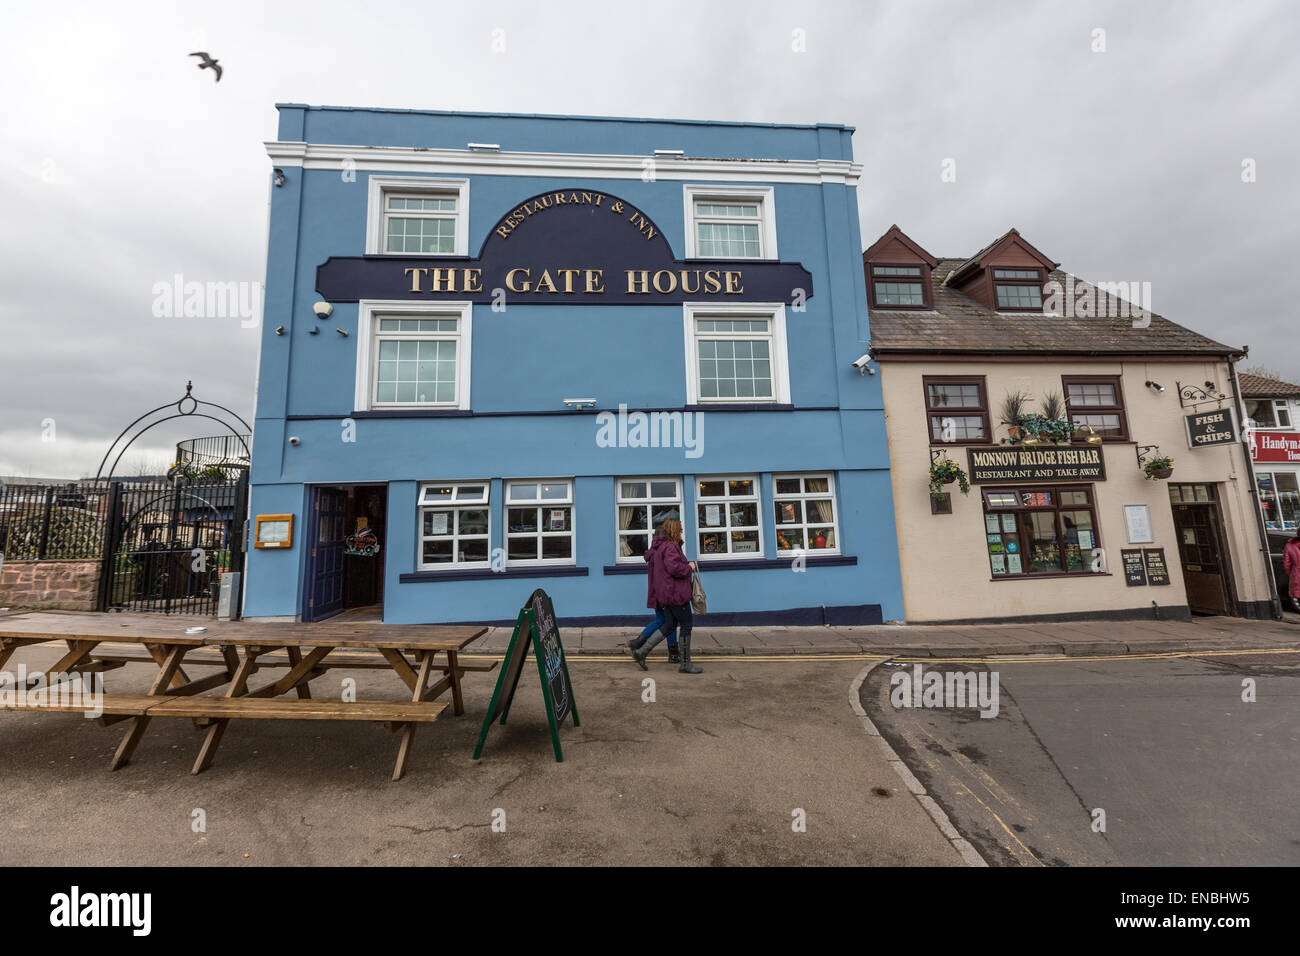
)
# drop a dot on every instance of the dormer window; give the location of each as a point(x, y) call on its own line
point(899, 287)
point(1018, 290)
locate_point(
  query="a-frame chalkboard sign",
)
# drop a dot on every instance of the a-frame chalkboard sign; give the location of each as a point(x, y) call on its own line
point(535, 626)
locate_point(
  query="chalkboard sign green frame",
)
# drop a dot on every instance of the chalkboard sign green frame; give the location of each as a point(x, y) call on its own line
point(535, 626)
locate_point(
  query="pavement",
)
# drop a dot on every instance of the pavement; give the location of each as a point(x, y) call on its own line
point(715, 769)
point(1074, 638)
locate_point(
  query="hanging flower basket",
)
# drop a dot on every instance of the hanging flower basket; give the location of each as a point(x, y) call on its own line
point(1159, 468)
point(945, 472)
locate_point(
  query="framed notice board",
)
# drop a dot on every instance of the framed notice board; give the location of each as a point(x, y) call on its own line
point(535, 627)
point(273, 531)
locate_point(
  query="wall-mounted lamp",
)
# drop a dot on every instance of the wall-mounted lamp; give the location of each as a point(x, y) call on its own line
point(342, 332)
point(670, 152)
point(1093, 438)
point(295, 440)
point(323, 310)
point(580, 402)
point(279, 330)
point(1156, 385)
point(279, 177)
point(485, 147)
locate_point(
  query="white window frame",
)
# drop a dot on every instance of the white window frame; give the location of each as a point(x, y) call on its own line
point(368, 356)
point(726, 528)
point(764, 196)
point(569, 502)
point(772, 311)
point(380, 186)
point(803, 497)
point(650, 502)
point(421, 506)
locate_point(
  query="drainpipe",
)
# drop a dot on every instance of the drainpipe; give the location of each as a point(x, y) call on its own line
point(1276, 602)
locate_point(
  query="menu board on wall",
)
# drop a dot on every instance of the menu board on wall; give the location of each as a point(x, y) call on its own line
point(1157, 570)
point(1135, 572)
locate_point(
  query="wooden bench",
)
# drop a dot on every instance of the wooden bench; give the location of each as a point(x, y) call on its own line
point(239, 650)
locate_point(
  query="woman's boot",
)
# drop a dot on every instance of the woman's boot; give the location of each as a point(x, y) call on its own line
point(641, 653)
point(684, 648)
point(636, 642)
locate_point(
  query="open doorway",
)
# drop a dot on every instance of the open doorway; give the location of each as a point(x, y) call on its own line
point(1202, 549)
point(345, 557)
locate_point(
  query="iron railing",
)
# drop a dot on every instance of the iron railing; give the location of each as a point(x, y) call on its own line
point(48, 522)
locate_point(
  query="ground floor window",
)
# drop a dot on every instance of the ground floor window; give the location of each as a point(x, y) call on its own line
point(804, 507)
point(643, 505)
point(539, 522)
point(1040, 530)
point(1279, 497)
point(727, 517)
point(454, 524)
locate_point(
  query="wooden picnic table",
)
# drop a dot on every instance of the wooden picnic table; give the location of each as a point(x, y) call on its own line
point(244, 647)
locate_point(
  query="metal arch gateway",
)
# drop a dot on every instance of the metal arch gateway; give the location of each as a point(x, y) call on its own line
point(183, 410)
point(168, 541)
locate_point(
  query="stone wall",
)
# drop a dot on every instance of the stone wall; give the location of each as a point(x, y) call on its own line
point(58, 585)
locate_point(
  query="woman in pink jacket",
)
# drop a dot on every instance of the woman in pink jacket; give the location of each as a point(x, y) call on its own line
point(668, 590)
point(1291, 565)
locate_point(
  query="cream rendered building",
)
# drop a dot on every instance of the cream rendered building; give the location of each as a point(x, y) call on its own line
point(1061, 519)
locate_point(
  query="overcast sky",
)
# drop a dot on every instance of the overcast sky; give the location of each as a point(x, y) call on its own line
point(124, 165)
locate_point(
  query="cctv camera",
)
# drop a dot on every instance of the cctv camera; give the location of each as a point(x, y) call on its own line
point(294, 440)
point(861, 363)
point(323, 310)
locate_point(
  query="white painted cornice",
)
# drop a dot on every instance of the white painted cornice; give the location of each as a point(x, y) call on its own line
point(562, 165)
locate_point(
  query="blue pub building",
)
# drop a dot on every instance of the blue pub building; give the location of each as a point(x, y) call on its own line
point(499, 349)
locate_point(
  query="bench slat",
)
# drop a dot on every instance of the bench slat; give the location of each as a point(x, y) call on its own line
point(129, 705)
point(295, 709)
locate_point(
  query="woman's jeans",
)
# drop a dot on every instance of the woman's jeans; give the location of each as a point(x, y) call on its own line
point(658, 624)
point(679, 617)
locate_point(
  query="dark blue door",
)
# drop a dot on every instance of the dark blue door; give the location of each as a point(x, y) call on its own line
point(325, 559)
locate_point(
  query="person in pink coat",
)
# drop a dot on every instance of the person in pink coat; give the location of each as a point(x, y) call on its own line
point(1291, 565)
point(668, 590)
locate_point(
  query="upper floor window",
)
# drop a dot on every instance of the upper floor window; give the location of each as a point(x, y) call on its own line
point(413, 356)
point(729, 223)
point(898, 287)
point(1095, 405)
point(420, 225)
point(736, 355)
point(1018, 290)
point(958, 409)
point(417, 216)
point(1268, 412)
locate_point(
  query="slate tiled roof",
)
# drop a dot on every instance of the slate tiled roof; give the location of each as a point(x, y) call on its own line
point(959, 323)
point(1257, 386)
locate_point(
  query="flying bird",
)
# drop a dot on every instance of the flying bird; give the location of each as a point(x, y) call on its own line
point(209, 62)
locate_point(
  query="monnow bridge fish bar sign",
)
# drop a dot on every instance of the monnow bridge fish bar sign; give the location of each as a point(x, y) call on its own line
point(566, 247)
point(1036, 464)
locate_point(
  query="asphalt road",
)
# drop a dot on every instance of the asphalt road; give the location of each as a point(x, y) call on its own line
point(710, 773)
point(1186, 772)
